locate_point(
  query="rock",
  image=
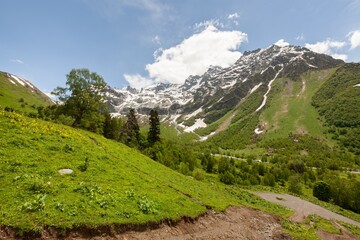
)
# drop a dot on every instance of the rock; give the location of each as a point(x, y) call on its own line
point(66, 171)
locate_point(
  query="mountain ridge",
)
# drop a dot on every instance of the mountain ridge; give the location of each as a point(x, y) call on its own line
point(208, 97)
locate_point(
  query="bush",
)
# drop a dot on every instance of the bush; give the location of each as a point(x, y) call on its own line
point(227, 178)
point(322, 191)
point(198, 174)
point(295, 184)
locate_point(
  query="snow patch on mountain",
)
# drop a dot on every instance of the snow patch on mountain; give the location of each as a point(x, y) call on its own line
point(199, 123)
point(267, 92)
point(193, 113)
point(255, 88)
point(218, 89)
point(21, 81)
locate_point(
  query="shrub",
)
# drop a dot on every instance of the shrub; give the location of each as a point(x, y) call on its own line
point(295, 184)
point(198, 174)
point(227, 178)
point(322, 191)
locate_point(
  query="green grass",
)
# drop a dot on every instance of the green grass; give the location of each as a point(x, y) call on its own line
point(111, 183)
point(19, 97)
point(322, 224)
point(290, 108)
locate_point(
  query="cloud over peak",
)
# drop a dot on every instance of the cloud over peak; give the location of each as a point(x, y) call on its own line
point(354, 38)
point(281, 43)
point(193, 56)
point(328, 47)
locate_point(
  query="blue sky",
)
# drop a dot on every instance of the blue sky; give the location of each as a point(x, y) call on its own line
point(149, 41)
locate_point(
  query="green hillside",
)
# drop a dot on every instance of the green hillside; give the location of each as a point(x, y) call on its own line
point(290, 108)
point(111, 183)
point(338, 102)
point(20, 97)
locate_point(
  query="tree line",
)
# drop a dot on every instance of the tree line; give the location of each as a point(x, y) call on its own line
point(81, 104)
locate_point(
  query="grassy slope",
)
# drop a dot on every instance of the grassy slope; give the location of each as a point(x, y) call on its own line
point(290, 109)
point(10, 94)
point(119, 185)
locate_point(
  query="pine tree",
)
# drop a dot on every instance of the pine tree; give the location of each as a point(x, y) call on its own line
point(154, 131)
point(131, 132)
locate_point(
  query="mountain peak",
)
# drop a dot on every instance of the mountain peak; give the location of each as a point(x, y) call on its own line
point(218, 90)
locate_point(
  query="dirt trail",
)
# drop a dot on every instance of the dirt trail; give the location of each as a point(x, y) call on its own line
point(304, 208)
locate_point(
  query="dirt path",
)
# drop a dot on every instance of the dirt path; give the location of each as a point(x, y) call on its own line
point(304, 208)
point(234, 223)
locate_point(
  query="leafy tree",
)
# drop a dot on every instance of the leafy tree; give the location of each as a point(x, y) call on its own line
point(82, 99)
point(154, 131)
point(322, 191)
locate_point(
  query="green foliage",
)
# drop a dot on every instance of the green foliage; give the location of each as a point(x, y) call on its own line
point(337, 101)
point(295, 185)
point(37, 204)
point(83, 100)
point(146, 206)
point(344, 192)
point(322, 191)
point(227, 177)
point(112, 127)
point(154, 130)
point(241, 130)
point(130, 133)
point(299, 231)
point(83, 167)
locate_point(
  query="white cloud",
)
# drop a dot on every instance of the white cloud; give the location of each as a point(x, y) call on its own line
point(196, 54)
point(201, 26)
point(328, 47)
point(339, 56)
point(300, 37)
point(193, 56)
point(354, 38)
point(138, 81)
point(16, 61)
point(156, 40)
point(233, 16)
point(281, 43)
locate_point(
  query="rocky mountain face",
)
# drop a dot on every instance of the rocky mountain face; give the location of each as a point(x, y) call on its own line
point(208, 97)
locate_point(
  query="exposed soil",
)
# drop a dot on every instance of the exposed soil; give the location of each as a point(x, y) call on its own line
point(234, 223)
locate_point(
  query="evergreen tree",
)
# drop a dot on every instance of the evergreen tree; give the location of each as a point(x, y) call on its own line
point(154, 131)
point(112, 127)
point(131, 131)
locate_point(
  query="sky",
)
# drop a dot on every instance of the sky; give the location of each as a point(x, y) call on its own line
point(144, 42)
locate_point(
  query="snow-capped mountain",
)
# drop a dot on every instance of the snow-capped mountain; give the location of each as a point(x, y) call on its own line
point(208, 97)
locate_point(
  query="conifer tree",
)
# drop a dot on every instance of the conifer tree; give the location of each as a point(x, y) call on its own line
point(131, 131)
point(154, 131)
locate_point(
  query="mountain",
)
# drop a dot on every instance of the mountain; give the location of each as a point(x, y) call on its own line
point(204, 99)
point(20, 94)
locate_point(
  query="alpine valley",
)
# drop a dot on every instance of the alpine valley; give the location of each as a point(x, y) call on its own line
point(207, 164)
